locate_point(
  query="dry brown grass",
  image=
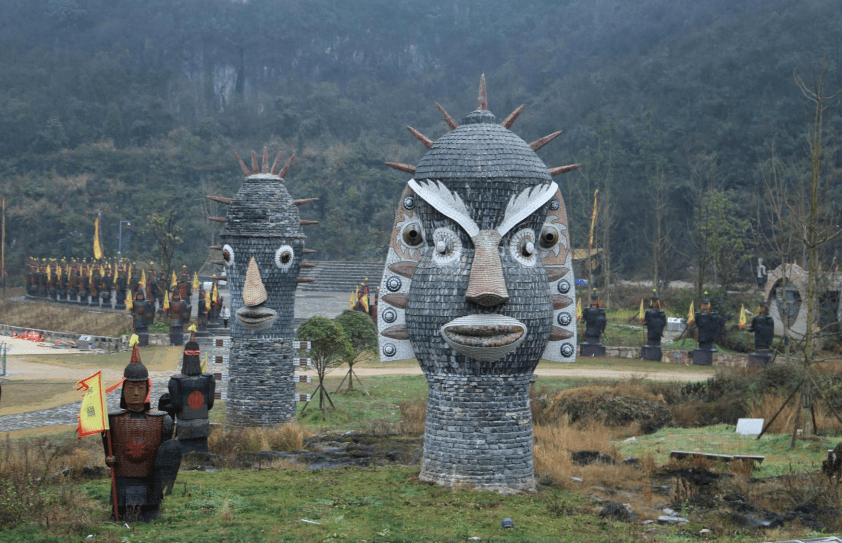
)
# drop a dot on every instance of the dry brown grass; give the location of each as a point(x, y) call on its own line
point(232, 441)
point(553, 445)
point(826, 422)
point(36, 481)
point(413, 417)
point(44, 315)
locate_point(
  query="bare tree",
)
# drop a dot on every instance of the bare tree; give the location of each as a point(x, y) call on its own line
point(164, 227)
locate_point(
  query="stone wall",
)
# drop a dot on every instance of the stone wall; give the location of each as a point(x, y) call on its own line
point(680, 356)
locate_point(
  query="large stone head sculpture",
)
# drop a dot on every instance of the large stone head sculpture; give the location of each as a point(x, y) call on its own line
point(262, 252)
point(479, 273)
point(478, 286)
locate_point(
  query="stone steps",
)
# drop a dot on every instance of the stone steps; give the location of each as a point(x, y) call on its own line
point(340, 276)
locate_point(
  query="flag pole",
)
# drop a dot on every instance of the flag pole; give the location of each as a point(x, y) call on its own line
point(113, 481)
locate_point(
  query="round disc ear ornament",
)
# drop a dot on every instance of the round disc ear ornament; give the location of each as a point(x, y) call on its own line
point(389, 315)
point(567, 349)
point(409, 203)
point(393, 284)
point(564, 286)
point(389, 349)
point(554, 205)
point(564, 318)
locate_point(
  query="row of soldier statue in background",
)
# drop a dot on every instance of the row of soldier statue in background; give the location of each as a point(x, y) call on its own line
point(141, 291)
point(709, 325)
point(141, 449)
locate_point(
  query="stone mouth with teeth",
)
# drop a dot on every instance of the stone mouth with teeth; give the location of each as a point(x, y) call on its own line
point(484, 337)
point(256, 318)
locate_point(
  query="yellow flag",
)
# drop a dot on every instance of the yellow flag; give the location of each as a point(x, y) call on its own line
point(58, 272)
point(174, 281)
point(195, 280)
point(116, 272)
point(97, 246)
point(691, 314)
point(593, 216)
point(93, 416)
point(207, 300)
point(641, 317)
point(142, 283)
point(91, 273)
point(166, 305)
point(352, 301)
point(129, 273)
point(364, 300)
point(578, 309)
point(49, 273)
point(129, 302)
point(205, 363)
point(214, 294)
point(742, 323)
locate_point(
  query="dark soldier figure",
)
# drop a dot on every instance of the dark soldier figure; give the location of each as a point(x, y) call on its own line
point(144, 455)
point(191, 395)
point(134, 281)
point(763, 327)
point(53, 282)
point(106, 283)
point(143, 314)
point(73, 283)
point(84, 284)
point(655, 320)
point(94, 286)
point(708, 323)
point(595, 321)
point(62, 281)
point(152, 286)
point(120, 285)
point(202, 313)
point(179, 315)
point(185, 285)
point(32, 278)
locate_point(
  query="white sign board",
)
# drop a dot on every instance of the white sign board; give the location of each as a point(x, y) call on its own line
point(750, 427)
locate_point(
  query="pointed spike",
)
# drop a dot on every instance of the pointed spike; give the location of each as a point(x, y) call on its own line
point(396, 332)
point(220, 199)
point(563, 169)
point(265, 166)
point(304, 222)
point(218, 262)
point(402, 167)
point(243, 164)
point(447, 118)
point(285, 169)
point(421, 137)
point(254, 162)
point(510, 120)
point(304, 280)
point(304, 201)
point(307, 265)
point(482, 103)
point(276, 163)
point(308, 251)
point(217, 219)
point(540, 142)
point(215, 247)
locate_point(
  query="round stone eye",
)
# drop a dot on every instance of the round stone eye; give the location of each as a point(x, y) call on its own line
point(549, 237)
point(412, 235)
point(523, 247)
point(284, 257)
point(228, 255)
point(448, 247)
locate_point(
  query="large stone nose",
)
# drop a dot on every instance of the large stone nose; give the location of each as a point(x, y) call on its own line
point(254, 292)
point(486, 285)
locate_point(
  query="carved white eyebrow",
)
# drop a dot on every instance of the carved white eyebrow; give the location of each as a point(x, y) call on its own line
point(445, 202)
point(451, 205)
point(524, 204)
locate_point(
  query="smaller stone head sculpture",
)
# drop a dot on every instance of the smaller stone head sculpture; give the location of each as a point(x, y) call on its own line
point(263, 250)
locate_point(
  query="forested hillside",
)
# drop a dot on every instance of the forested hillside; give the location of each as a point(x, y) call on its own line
point(128, 108)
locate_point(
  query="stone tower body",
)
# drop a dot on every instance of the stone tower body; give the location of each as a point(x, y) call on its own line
point(478, 286)
point(262, 251)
